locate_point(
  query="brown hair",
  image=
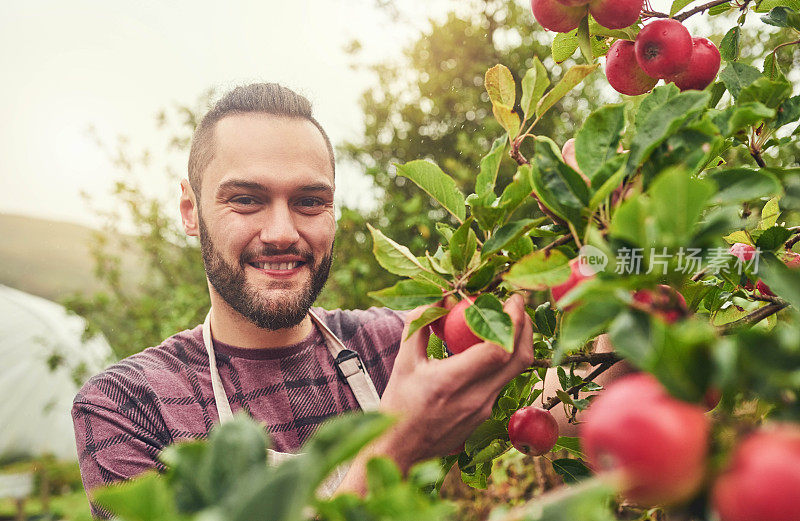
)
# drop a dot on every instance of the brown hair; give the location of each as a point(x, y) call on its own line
point(266, 98)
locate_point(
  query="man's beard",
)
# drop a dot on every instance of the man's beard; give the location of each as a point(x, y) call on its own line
point(278, 311)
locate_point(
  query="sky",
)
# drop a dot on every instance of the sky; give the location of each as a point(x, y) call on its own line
point(112, 65)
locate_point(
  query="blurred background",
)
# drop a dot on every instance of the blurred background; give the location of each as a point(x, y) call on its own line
point(100, 100)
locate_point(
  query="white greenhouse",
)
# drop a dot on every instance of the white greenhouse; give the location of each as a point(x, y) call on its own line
point(35, 335)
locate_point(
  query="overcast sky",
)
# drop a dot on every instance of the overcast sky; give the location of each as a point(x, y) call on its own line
point(69, 65)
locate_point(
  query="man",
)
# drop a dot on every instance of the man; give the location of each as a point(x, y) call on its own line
point(259, 195)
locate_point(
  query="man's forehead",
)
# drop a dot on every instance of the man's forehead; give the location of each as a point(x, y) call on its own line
point(253, 139)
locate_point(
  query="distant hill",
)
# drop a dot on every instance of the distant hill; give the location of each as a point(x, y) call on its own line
point(50, 259)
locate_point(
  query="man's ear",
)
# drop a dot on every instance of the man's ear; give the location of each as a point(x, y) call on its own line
point(188, 206)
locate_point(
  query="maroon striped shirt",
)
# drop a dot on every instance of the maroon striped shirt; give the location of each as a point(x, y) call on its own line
point(125, 416)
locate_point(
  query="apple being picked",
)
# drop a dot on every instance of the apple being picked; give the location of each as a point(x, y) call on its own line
point(533, 431)
point(656, 444)
point(663, 48)
point(623, 71)
point(457, 334)
point(702, 68)
point(437, 326)
point(557, 16)
point(616, 14)
point(762, 482)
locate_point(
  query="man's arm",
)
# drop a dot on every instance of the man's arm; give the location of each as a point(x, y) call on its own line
point(438, 403)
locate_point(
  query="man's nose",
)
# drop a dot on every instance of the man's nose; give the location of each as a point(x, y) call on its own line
point(278, 228)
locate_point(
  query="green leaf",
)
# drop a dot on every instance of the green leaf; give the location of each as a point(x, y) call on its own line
point(571, 470)
point(736, 76)
point(719, 9)
point(539, 270)
point(463, 244)
point(729, 46)
point(570, 444)
point(508, 119)
point(487, 320)
point(490, 164)
point(570, 80)
point(545, 319)
point(661, 122)
point(587, 501)
point(506, 234)
point(597, 140)
point(772, 238)
point(783, 17)
point(768, 92)
point(534, 83)
point(741, 116)
point(147, 498)
point(788, 112)
point(408, 294)
point(630, 222)
point(437, 184)
point(398, 259)
point(611, 175)
point(486, 433)
point(660, 95)
point(435, 347)
point(767, 5)
point(677, 5)
point(586, 321)
point(782, 280)
point(738, 185)
point(677, 202)
point(500, 86)
point(772, 69)
point(560, 188)
point(428, 316)
point(769, 214)
point(564, 45)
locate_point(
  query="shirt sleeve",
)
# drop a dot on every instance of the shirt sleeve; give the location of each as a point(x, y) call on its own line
point(111, 446)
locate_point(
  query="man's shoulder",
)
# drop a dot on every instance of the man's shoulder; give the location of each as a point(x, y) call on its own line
point(365, 330)
point(139, 373)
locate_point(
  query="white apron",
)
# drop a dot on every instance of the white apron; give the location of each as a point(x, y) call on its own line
point(348, 365)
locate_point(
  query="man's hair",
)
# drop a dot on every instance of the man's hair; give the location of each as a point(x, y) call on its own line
point(263, 98)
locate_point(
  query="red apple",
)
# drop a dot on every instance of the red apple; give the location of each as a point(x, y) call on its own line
point(573, 3)
point(703, 66)
point(556, 16)
point(656, 443)
point(663, 48)
point(437, 326)
point(743, 252)
point(663, 302)
point(533, 431)
point(457, 334)
point(575, 278)
point(762, 482)
point(616, 14)
point(623, 71)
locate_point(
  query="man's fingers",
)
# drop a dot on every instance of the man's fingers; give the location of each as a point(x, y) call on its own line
point(413, 349)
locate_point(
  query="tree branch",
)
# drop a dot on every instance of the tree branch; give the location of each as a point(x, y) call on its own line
point(753, 318)
point(602, 368)
point(699, 9)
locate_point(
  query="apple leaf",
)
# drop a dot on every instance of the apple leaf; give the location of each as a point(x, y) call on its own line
point(539, 270)
point(677, 5)
point(517, 191)
point(506, 234)
point(490, 164)
point(437, 184)
point(463, 244)
point(597, 140)
point(773, 238)
point(737, 185)
point(739, 117)
point(677, 201)
point(769, 214)
point(428, 316)
point(500, 86)
point(736, 76)
point(729, 46)
point(571, 470)
point(534, 83)
point(545, 319)
point(738, 236)
point(487, 320)
point(570, 80)
point(662, 122)
point(782, 280)
point(783, 17)
point(587, 320)
point(788, 112)
point(771, 93)
point(560, 188)
point(768, 5)
point(508, 119)
point(611, 175)
point(147, 498)
point(436, 348)
point(564, 45)
point(569, 444)
point(484, 434)
point(408, 294)
point(398, 259)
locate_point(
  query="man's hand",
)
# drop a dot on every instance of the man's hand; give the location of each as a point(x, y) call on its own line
point(439, 403)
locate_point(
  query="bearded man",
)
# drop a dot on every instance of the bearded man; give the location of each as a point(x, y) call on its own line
point(260, 197)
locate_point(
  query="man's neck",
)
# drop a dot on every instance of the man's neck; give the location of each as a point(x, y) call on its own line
point(230, 327)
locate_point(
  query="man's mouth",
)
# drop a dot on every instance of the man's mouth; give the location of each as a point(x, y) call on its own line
point(277, 265)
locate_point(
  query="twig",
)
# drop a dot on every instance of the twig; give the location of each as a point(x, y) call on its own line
point(756, 153)
point(564, 239)
point(699, 9)
point(555, 400)
point(699, 275)
point(590, 358)
point(753, 318)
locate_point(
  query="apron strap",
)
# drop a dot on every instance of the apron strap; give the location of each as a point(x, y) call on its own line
point(221, 399)
point(350, 367)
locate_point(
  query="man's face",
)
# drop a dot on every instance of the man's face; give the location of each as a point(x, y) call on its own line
point(266, 218)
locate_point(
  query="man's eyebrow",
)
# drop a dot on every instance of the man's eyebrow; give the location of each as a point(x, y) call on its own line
point(240, 184)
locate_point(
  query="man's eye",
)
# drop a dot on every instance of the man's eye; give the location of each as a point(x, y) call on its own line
point(311, 201)
point(244, 200)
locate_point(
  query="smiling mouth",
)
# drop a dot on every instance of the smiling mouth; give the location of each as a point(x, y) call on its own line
point(276, 266)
